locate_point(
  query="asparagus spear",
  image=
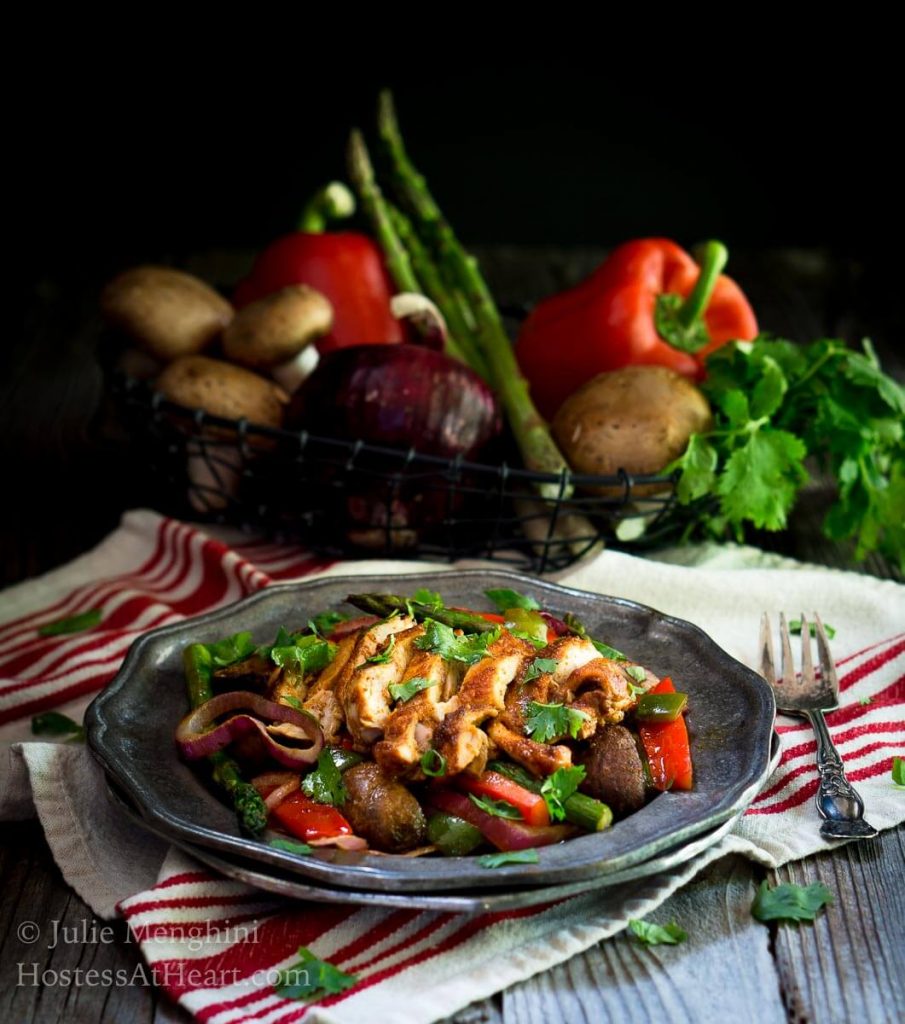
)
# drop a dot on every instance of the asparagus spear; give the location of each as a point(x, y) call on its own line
point(226, 773)
point(386, 604)
point(593, 815)
point(361, 171)
point(434, 287)
point(537, 446)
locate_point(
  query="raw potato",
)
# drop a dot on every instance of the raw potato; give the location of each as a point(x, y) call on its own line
point(169, 313)
point(638, 419)
point(276, 328)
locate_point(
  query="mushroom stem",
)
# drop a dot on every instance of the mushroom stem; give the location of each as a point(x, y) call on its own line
point(294, 371)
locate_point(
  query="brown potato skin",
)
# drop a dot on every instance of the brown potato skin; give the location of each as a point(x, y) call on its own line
point(638, 419)
point(615, 774)
point(169, 313)
point(382, 810)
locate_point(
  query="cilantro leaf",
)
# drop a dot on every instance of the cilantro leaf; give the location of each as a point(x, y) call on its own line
point(303, 652)
point(898, 771)
point(650, 934)
point(697, 466)
point(231, 649)
point(546, 722)
point(382, 657)
point(408, 689)
point(604, 650)
point(468, 648)
point(430, 599)
point(637, 672)
point(558, 787)
point(290, 846)
point(762, 477)
point(864, 701)
point(498, 860)
point(795, 628)
point(539, 666)
point(325, 622)
point(325, 783)
point(498, 808)
point(790, 902)
point(504, 599)
point(312, 978)
point(54, 723)
point(73, 624)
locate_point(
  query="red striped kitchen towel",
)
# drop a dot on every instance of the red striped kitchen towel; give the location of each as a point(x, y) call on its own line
point(216, 945)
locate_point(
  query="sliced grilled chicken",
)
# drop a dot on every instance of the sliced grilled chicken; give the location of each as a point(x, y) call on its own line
point(291, 684)
point(409, 730)
point(539, 758)
point(600, 688)
point(363, 686)
point(482, 695)
point(322, 701)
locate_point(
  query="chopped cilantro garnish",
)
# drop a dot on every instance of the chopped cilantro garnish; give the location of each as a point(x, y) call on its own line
point(547, 722)
point(305, 652)
point(54, 723)
point(558, 787)
point(325, 783)
point(382, 657)
point(498, 808)
point(636, 672)
point(506, 599)
point(408, 689)
point(469, 648)
point(539, 666)
point(433, 764)
point(290, 846)
point(325, 622)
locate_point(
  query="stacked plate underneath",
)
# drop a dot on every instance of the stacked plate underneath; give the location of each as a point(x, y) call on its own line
point(132, 722)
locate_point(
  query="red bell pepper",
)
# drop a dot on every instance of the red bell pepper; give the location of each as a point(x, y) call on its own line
point(666, 747)
point(532, 806)
point(503, 833)
point(648, 303)
point(345, 266)
point(306, 819)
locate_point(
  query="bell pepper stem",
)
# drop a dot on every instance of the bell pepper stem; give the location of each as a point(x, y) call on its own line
point(332, 202)
point(715, 257)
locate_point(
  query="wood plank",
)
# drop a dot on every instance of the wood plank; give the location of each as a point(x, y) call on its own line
point(850, 964)
point(723, 971)
point(32, 890)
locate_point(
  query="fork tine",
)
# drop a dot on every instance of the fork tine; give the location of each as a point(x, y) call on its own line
point(807, 665)
point(827, 665)
point(766, 650)
point(788, 663)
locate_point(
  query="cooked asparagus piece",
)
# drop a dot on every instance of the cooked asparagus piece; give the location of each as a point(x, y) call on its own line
point(226, 773)
point(386, 604)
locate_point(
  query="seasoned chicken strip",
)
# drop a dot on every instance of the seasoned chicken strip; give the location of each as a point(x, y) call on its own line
point(363, 687)
point(600, 688)
point(482, 694)
point(410, 727)
point(322, 701)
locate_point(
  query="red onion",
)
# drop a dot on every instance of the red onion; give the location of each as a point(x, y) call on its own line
point(504, 833)
point(404, 396)
point(198, 736)
point(557, 625)
point(340, 842)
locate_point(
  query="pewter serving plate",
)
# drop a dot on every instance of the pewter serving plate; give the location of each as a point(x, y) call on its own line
point(132, 722)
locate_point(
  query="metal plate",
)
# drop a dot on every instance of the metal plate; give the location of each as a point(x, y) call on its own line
point(285, 884)
point(132, 722)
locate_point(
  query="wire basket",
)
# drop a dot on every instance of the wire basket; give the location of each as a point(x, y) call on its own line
point(347, 498)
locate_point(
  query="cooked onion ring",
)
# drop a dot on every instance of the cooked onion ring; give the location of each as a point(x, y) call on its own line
point(197, 736)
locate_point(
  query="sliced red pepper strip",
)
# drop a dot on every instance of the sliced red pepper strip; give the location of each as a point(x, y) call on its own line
point(667, 748)
point(532, 806)
point(306, 819)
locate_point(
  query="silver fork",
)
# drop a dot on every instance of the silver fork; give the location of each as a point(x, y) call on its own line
point(837, 801)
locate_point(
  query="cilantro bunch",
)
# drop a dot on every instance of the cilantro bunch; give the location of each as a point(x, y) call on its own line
point(775, 403)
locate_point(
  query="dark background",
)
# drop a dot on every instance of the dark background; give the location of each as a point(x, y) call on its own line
point(792, 161)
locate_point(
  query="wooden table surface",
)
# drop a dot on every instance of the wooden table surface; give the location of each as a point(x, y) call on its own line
point(848, 966)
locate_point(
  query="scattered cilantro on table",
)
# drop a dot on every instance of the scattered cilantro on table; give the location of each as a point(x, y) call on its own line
point(790, 902)
point(312, 978)
point(650, 934)
point(898, 771)
point(775, 402)
point(73, 624)
point(795, 628)
point(54, 723)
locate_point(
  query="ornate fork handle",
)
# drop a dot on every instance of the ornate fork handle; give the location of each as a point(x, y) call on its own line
point(838, 803)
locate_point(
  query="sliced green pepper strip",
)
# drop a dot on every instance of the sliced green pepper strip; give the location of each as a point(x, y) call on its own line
point(660, 707)
point(453, 837)
point(528, 624)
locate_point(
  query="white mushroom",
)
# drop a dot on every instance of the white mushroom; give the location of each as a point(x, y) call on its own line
point(275, 333)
